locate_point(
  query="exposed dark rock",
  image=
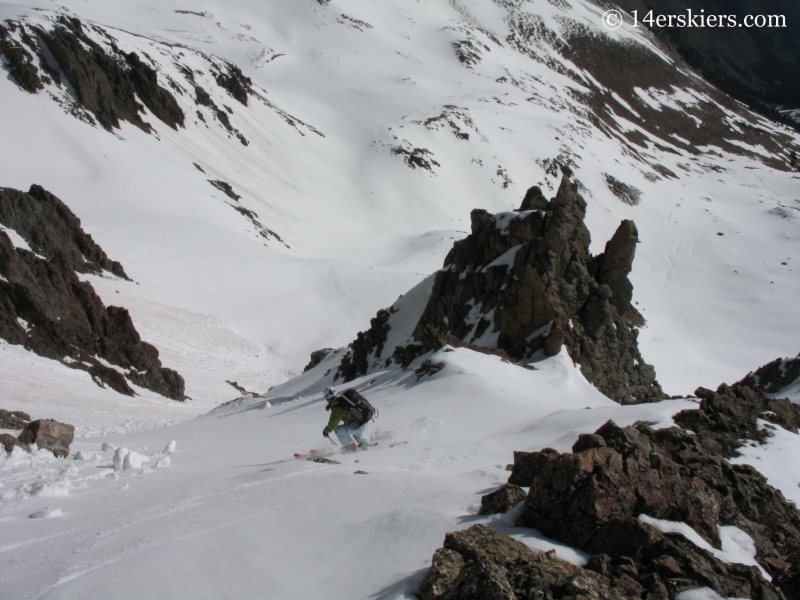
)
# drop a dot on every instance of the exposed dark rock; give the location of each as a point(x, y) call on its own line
point(534, 200)
point(428, 367)
point(19, 63)
point(481, 563)
point(730, 415)
point(502, 500)
point(225, 188)
point(53, 231)
point(160, 101)
point(571, 495)
point(528, 278)
point(775, 376)
point(587, 441)
point(755, 65)
point(417, 157)
point(46, 308)
point(591, 498)
point(107, 85)
point(49, 435)
point(316, 358)
point(469, 52)
point(8, 441)
point(236, 83)
point(355, 363)
point(241, 389)
point(203, 98)
point(15, 419)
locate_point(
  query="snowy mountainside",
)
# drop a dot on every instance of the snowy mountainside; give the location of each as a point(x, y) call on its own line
point(233, 512)
point(427, 111)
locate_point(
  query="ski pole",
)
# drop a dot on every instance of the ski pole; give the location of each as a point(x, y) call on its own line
point(327, 435)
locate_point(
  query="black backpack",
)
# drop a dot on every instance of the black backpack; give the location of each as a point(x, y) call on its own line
point(359, 407)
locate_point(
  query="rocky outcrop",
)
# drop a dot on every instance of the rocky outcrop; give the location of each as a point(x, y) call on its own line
point(236, 83)
point(49, 435)
point(46, 308)
point(731, 414)
point(15, 419)
point(502, 500)
point(53, 231)
point(108, 85)
point(481, 562)
point(317, 357)
point(574, 497)
point(525, 282)
point(592, 498)
point(775, 376)
point(354, 363)
point(20, 63)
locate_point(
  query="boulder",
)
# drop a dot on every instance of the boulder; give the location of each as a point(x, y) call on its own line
point(316, 357)
point(50, 435)
point(8, 441)
point(571, 495)
point(14, 419)
point(502, 500)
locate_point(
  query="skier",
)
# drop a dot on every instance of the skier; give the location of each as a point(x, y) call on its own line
point(351, 428)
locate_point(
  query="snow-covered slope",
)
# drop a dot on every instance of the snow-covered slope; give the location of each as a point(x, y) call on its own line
point(497, 92)
point(235, 514)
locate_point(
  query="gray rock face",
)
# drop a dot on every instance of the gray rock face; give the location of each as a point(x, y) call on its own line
point(525, 282)
point(46, 308)
point(50, 435)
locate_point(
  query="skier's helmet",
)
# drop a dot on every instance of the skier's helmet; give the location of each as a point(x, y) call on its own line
point(330, 393)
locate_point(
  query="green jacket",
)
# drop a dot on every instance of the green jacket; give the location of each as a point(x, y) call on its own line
point(339, 414)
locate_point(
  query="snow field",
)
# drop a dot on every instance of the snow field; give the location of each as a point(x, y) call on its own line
point(235, 502)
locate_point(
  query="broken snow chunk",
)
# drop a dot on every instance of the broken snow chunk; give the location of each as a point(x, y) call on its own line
point(170, 447)
point(133, 460)
point(119, 458)
point(45, 513)
point(164, 461)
